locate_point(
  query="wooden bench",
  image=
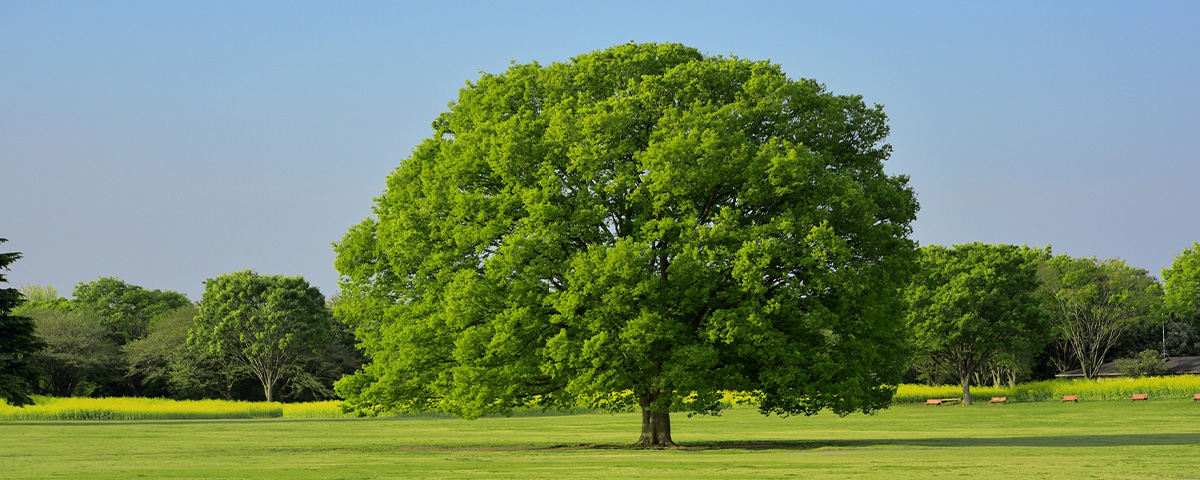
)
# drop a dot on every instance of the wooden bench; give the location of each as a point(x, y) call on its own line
point(1196, 397)
point(1071, 398)
point(1140, 396)
point(998, 400)
point(940, 401)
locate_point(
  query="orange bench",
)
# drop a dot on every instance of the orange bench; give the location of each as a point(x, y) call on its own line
point(998, 400)
point(939, 401)
point(1070, 398)
point(1140, 396)
point(1196, 397)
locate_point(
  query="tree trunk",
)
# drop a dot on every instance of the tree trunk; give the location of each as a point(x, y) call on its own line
point(136, 385)
point(656, 428)
point(267, 389)
point(966, 384)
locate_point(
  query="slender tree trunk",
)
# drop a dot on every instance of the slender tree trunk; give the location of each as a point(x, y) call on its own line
point(656, 427)
point(966, 384)
point(136, 385)
point(267, 389)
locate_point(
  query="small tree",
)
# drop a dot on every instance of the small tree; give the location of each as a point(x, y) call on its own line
point(267, 323)
point(78, 351)
point(18, 343)
point(970, 304)
point(1146, 364)
point(1093, 302)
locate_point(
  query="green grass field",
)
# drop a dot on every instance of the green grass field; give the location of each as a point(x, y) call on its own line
point(1112, 439)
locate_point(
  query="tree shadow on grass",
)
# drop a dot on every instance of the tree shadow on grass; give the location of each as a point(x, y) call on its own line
point(1116, 440)
point(1111, 440)
point(1055, 441)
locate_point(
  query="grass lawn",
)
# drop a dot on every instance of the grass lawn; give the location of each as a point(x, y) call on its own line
point(1114, 439)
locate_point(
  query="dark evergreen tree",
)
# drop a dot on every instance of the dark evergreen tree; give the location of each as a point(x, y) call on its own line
point(18, 342)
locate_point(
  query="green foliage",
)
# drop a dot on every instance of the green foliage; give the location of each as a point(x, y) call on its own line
point(1093, 302)
point(314, 378)
point(1181, 283)
point(60, 304)
point(125, 310)
point(974, 304)
point(1148, 363)
point(195, 373)
point(266, 323)
point(150, 359)
point(642, 225)
point(78, 351)
point(18, 342)
point(39, 293)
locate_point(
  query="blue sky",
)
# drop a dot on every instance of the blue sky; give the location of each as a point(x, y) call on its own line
point(169, 142)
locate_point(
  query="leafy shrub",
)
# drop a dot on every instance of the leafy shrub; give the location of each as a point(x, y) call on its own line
point(1147, 363)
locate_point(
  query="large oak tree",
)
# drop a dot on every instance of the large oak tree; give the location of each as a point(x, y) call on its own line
point(643, 226)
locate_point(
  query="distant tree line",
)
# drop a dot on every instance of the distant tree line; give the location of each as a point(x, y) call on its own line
point(252, 337)
point(977, 314)
point(982, 313)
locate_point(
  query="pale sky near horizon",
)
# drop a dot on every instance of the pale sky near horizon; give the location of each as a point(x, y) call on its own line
point(169, 142)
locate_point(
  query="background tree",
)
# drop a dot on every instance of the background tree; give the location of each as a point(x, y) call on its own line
point(39, 293)
point(79, 355)
point(313, 380)
point(18, 342)
point(970, 304)
point(196, 373)
point(125, 310)
point(1181, 297)
point(39, 296)
point(150, 359)
point(1093, 302)
point(267, 323)
point(642, 225)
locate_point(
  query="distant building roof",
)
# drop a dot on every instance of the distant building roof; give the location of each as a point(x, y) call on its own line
point(1175, 366)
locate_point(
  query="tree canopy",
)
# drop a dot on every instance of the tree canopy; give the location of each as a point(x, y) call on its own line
point(18, 342)
point(267, 323)
point(125, 310)
point(643, 225)
point(974, 302)
point(79, 356)
point(1181, 284)
point(151, 359)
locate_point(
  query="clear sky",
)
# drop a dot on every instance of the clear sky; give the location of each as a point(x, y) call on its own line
point(169, 142)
